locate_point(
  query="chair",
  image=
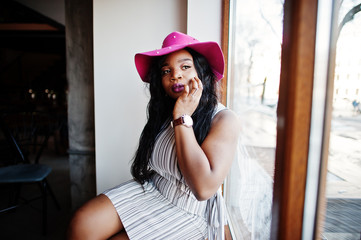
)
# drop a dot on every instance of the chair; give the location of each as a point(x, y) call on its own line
point(22, 172)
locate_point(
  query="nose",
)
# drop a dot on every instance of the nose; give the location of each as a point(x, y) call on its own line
point(177, 74)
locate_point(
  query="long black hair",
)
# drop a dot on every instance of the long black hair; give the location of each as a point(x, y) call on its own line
point(160, 108)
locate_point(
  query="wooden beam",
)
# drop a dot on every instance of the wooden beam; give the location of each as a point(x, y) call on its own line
point(27, 27)
point(294, 115)
point(225, 41)
point(224, 46)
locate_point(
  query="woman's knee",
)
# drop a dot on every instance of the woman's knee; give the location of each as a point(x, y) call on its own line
point(81, 224)
point(96, 219)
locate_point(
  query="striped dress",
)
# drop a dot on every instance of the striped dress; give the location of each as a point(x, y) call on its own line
point(165, 207)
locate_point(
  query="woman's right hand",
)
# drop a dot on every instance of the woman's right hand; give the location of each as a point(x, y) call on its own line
point(188, 102)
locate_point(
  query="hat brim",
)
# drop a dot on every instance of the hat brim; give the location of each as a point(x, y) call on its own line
point(210, 50)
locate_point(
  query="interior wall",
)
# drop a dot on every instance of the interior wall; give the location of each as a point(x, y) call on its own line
point(204, 20)
point(121, 29)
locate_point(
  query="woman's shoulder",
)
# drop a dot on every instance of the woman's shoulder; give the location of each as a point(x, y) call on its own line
point(219, 107)
point(224, 115)
point(225, 125)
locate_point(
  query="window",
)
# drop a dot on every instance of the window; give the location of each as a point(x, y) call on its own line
point(342, 217)
point(312, 146)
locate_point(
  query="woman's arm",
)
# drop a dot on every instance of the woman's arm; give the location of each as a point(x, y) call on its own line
point(205, 167)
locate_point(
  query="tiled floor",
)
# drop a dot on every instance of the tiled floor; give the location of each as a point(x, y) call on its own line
point(343, 219)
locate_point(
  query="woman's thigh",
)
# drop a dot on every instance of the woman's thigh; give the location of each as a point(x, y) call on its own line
point(97, 219)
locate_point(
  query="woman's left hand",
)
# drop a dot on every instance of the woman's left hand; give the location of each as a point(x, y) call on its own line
point(189, 100)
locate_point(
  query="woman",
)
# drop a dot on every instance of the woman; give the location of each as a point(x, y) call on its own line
point(184, 154)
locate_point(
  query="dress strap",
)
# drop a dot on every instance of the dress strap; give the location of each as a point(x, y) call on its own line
point(219, 108)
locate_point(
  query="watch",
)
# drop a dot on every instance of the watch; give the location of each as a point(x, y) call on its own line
point(185, 120)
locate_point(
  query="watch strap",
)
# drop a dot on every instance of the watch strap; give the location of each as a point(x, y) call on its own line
point(177, 121)
point(184, 120)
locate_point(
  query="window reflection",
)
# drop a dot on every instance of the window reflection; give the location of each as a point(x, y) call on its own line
point(253, 94)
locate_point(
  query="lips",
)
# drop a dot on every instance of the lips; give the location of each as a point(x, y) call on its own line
point(177, 88)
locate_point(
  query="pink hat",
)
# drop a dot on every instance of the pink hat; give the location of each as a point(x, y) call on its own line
point(176, 41)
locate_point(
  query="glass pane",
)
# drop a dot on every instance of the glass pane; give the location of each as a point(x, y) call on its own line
point(343, 185)
point(254, 75)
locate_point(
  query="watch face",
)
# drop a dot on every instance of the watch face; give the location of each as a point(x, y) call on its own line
point(188, 121)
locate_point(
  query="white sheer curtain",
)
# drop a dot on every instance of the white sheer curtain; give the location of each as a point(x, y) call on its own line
point(249, 191)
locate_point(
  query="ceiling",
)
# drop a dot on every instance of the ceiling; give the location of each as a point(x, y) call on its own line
point(22, 28)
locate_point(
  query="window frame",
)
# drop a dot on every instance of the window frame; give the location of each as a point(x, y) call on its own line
point(225, 47)
point(293, 116)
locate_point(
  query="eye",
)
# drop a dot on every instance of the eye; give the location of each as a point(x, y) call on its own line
point(184, 67)
point(165, 71)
